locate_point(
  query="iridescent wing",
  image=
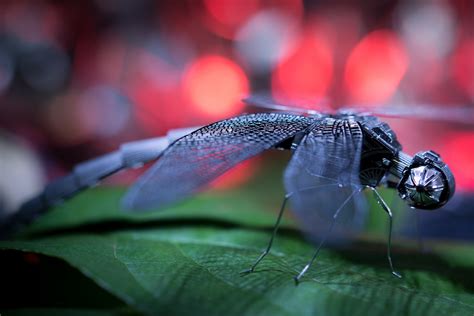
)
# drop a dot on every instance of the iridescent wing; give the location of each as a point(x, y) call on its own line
point(266, 102)
point(323, 178)
point(198, 158)
point(457, 114)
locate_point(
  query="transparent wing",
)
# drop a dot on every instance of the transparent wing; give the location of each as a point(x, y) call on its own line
point(457, 114)
point(322, 175)
point(196, 159)
point(266, 102)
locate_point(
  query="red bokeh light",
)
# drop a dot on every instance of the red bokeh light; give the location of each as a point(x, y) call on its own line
point(99, 62)
point(215, 85)
point(375, 67)
point(231, 12)
point(463, 66)
point(458, 153)
point(237, 175)
point(157, 108)
point(225, 17)
point(305, 73)
point(153, 86)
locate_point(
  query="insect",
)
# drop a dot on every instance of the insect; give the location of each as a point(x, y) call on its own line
point(335, 157)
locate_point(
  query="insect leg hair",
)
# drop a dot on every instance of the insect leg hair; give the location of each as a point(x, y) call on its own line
point(385, 207)
point(277, 225)
point(315, 255)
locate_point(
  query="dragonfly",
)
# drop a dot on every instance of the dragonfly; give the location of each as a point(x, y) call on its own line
point(335, 156)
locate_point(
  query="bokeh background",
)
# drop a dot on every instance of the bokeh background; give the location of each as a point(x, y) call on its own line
point(78, 78)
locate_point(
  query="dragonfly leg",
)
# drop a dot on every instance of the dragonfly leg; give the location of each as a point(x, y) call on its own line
point(385, 207)
point(308, 265)
point(315, 255)
point(275, 230)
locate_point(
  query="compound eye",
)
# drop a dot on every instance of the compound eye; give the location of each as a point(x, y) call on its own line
point(424, 187)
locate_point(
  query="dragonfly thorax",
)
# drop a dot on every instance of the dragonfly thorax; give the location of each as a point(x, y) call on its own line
point(379, 150)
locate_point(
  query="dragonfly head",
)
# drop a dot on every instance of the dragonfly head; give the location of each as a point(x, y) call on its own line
point(427, 183)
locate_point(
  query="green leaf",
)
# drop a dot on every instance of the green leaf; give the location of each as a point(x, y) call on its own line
point(102, 205)
point(186, 259)
point(67, 311)
point(195, 271)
